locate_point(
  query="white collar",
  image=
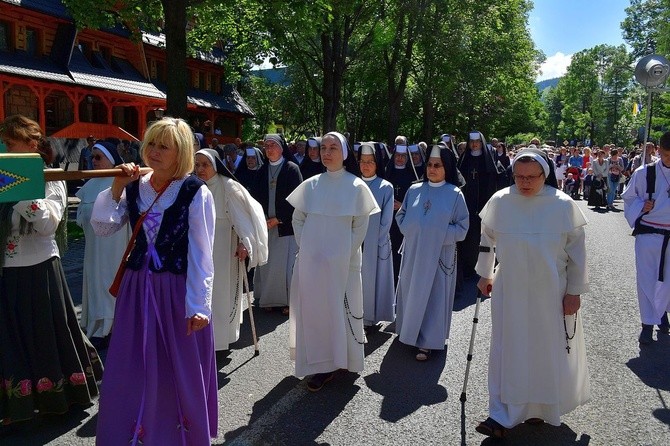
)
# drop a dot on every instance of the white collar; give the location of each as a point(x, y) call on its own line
point(278, 162)
point(476, 152)
point(369, 179)
point(441, 183)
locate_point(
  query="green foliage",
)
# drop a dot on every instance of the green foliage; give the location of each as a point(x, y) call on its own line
point(642, 25)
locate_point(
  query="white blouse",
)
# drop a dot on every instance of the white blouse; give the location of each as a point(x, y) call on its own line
point(45, 215)
point(109, 216)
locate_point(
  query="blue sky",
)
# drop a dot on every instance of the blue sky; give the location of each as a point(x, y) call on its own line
point(561, 28)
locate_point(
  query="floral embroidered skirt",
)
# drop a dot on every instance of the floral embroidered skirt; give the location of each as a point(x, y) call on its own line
point(46, 362)
point(160, 384)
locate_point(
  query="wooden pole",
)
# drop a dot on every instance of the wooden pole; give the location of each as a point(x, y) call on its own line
point(67, 175)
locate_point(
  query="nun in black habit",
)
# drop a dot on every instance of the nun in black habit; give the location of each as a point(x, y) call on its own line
point(311, 164)
point(478, 166)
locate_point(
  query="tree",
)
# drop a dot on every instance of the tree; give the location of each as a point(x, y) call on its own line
point(644, 19)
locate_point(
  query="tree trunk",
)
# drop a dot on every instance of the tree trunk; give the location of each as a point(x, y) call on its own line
point(175, 43)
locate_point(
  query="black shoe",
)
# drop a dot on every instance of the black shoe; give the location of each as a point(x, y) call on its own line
point(316, 382)
point(646, 335)
point(664, 327)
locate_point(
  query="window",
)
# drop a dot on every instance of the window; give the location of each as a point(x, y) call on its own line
point(5, 42)
point(106, 53)
point(32, 42)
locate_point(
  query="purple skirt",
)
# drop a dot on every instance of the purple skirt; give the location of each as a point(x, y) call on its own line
point(160, 385)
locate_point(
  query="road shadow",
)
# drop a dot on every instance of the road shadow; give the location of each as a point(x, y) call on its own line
point(47, 428)
point(266, 322)
point(544, 434)
point(378, 337)
point(306, 415)
point(407, 384)
point(652, 368)
point(467, 294)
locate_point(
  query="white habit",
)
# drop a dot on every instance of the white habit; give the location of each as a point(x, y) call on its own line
point(433, 217)
point(539, 243)
point(239, 218)
point(377, 266)
point(326, 313)
point(102, 256)
point(653, 295)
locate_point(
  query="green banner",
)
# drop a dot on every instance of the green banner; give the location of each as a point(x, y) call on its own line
point(21, 176)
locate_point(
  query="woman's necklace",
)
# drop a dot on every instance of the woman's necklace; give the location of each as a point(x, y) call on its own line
point(427, 204)
point(274, 172)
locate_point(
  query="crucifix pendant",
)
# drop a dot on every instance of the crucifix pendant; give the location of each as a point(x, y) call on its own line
point(474, 173)
point(426, 207)
point(567, 344)
point(273, 183)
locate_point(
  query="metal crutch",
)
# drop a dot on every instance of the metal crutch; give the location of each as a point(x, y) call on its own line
point(251, 313)
point(475, 321)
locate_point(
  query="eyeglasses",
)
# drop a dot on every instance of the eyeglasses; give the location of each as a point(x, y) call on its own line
point(526, 178)
point(434, 165)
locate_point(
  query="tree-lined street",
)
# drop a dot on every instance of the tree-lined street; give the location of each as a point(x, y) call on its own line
point(399, 401)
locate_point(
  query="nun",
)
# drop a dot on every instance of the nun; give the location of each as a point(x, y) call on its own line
point(417, 156)
point(101, 254)
point(377, 267)
point(311, 164)
point(433, 217)
point(400, 173)
point(330, 221)
point(240, 233)
point(479, 167)
point(276, 180)
point(535, 234)
point(247, 172)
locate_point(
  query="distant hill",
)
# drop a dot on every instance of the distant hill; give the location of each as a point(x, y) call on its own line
point(542, 85)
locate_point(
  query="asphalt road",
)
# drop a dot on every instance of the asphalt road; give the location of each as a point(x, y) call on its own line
point(398, 401)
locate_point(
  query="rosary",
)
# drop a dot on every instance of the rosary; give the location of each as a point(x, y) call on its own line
point(569, 338)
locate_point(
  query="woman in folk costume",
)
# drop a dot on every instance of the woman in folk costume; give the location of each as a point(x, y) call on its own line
point(240, 233)
point(46, 362)
point(433, 217)
point(537, 362)
point(101, 255)
point(377, 266)
point(160, 384)
point(330, 221)
point(277, 179)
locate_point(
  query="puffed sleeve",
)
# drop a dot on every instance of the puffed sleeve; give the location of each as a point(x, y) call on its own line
point(458, 226)
point(486, 260)
point(577, 274)
point(200, 272)
point(45, 214)
point(109, 216)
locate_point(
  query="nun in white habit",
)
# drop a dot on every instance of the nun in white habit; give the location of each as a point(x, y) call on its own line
point(240, 232)
point(432, 218)
point(330, 221)
point(537, 361)
point(377, 267)
point(101, 254)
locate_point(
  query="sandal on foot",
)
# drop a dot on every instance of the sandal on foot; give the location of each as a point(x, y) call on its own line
point(491, 428)
point(316, 382)
point(422, 354)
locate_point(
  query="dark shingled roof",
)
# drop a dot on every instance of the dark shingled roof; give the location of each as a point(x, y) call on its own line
point(21, 64)
point(125, 79)
point(229, 99)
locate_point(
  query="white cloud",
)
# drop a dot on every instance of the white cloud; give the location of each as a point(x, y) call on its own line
point(554, 66)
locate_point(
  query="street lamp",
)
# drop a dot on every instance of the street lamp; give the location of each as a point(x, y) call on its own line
point(652, 72)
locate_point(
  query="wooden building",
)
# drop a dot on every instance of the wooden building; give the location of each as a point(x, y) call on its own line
point(100, 82)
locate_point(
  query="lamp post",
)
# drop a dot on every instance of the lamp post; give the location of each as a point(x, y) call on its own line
point(652, 72)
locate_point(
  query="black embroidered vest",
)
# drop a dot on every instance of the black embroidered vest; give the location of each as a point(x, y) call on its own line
point(172, 239)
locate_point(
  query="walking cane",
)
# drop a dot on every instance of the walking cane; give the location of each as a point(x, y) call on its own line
point(251, 314)
point(475, 321)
